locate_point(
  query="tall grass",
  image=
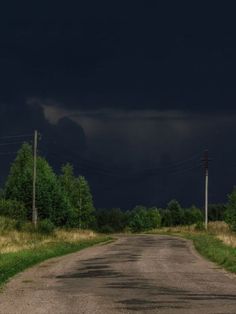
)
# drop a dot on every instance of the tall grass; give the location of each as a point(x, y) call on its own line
point(15, 241)
point(21, 249)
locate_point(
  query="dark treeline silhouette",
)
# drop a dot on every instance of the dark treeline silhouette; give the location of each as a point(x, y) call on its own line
point(65, 200)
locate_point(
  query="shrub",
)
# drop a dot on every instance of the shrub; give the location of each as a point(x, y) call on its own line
point(106, 229)
point(192, 215)
point(216, 212)
point(115, 218)
point(7, 224)
point(13, 209)
point(26, 227)
point(199, 226)
point(46, 226)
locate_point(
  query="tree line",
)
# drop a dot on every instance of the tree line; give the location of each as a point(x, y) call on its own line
point(65, 200)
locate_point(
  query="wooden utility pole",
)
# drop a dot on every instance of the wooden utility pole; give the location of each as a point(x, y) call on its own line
point(34, 209)
point(206, 167)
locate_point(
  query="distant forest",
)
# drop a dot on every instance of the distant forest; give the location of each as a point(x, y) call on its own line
point(65, 200)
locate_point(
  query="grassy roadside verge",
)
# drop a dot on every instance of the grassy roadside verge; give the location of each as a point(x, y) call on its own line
point(15, 262)
point(215, 250)
point(208, 245)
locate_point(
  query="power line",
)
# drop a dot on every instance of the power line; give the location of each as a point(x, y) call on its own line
point(132, 175)
point(8, 153)
point(119, 172)
point(16, 136)
point(114, 170)
point(12, 143)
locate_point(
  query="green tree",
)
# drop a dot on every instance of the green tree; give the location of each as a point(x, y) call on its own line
point(216, 212)
point(192, 215)
point(85, 204)
point(138, 219)
point(176, 212)
point(69, 184)
point(50, 201)
point(153, 218)
point(166, 218)
point(19, 182)
point(230, 214)
point(13, 209)
point(80, 198)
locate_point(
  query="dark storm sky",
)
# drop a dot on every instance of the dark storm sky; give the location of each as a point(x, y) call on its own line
point(130, 93)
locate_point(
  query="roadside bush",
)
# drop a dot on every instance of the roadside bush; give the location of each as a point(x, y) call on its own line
point(46, 226)
point(216, 212)
point(199, 226)
point(191, 216)
point(115, 218)
point(106, 229)
point(13, 209)
point(26, 227)
point(142, 219)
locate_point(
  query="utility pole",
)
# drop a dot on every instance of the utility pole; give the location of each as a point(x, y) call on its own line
point(80, 206)
point(34, 209)
point(206, 167)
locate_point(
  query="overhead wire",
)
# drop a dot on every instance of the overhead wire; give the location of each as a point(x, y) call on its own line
point(15, 142)
point(15, 136)
point(7, 153)
point(96, 168)
point(12, 143)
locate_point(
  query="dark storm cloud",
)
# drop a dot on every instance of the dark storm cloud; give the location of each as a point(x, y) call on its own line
point(127, 87)
point(58, 143)
point(137, 56)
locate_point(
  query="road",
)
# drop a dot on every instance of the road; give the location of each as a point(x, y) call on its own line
point(135, 274)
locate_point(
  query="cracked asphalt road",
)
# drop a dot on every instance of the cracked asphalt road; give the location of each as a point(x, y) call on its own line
point(135, 274)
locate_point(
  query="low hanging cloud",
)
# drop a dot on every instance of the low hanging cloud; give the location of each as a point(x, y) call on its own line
point(141, 136)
